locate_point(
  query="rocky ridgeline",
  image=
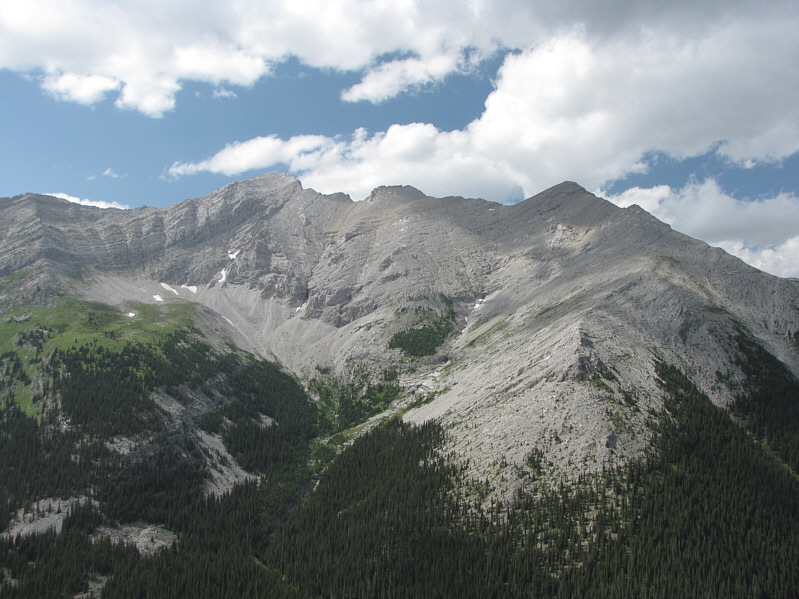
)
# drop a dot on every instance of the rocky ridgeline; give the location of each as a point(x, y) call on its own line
point(561, 303)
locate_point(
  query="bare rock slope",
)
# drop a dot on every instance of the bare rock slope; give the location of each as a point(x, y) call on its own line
point(561, 304)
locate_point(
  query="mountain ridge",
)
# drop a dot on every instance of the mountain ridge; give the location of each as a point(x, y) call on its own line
point(566, 287)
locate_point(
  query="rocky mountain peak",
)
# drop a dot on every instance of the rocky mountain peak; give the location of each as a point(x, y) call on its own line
point(395, 193)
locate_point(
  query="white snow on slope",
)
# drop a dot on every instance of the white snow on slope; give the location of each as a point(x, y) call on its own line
point(232, 255)
point(192, 288)
point(158, 298)
point(168, 288)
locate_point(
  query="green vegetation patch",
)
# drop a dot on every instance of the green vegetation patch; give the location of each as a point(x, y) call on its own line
point(14, 380)
point(429, 332)
point(348, 399)
point(34, 335)
point(75, 321)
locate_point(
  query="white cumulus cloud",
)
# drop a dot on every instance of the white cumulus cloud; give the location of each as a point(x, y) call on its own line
point(575, 108)
point(778, 260)
point(258, 153)
point(84, 89)
point(144, 49)
point(221, 92)
point(440, 163)
point(86, 202)
point(389, 79)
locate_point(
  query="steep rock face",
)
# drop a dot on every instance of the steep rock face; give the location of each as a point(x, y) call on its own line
point(561, 302)
point(281, 225)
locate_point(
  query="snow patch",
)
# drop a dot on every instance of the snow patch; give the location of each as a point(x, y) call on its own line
point(223, 276)
point(232, 255)
point(192, 288)
point(168, 288)
point(158, 298)
point(131, 314)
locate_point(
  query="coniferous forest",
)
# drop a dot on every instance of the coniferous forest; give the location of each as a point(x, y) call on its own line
point(712, 511)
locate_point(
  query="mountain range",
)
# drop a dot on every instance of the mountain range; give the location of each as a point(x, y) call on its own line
point(536, 335)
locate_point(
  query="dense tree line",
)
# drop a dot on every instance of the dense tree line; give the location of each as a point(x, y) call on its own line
point(40, 461)
point(215, 557)
point(49, 565)
point(107, 392)
point(262, 389)
point(769, 402)
point(708, 513)
point(101, 391)
point(162, 482)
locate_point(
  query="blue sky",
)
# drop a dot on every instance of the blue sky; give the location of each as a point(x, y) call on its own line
point(689, 109)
